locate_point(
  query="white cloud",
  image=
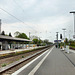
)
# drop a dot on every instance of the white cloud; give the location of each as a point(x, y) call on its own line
point(41, 15)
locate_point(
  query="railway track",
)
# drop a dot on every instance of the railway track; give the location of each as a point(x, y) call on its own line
point(17, 66)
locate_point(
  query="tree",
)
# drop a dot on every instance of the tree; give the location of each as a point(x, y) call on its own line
point(39, 42)
point(33, 37)
point(3, 33)
point(10, 35)
point(66, 41)
point(46, 41)
point(17, 34)
point(35, 41)
point(21, 35)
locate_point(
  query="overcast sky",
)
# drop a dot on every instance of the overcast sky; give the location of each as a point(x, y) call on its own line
point(40, 17)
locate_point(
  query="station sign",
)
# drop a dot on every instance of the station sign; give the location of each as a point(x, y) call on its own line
point(57, 41)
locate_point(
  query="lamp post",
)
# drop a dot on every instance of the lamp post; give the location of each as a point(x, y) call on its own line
point(29, 38)
point(69, 34)
point(64, 35)
point(57, 38)
point(74, 22)
point(29, 35)
point(0, 26)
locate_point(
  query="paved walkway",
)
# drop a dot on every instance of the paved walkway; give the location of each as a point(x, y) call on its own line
point(16, 50)
point(56, 63)
point(70, 56)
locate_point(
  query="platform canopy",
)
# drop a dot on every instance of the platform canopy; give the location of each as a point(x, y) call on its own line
point(8, 38)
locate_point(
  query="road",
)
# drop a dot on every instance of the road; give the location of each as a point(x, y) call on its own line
point(51, 62)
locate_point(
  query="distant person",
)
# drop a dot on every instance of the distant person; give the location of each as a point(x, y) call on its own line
point(59, 45)
point(56, 46)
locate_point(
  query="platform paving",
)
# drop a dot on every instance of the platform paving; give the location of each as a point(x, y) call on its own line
point(56, 63)
point(70, 56)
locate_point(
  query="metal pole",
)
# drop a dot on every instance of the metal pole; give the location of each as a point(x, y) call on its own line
point(74, 23)
point(0, 26)
point(64, 36)
point(69, 34)
point(29, 35)
point(57, 39)
point(29, 38)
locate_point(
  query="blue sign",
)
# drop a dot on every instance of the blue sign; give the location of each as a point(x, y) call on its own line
point(57, 41)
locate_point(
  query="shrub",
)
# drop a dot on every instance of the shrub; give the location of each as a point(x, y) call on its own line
point(22, 56)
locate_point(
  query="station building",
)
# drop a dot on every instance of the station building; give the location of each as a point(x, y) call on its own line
point(7, 42)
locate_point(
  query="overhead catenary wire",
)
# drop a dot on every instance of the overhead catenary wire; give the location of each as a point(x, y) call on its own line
point(14, 17)
point(18, 5)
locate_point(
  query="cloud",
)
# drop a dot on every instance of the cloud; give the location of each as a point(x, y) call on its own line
point(41, 15)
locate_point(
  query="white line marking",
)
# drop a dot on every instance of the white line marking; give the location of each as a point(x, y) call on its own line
point(24, 67)
point(39, 64)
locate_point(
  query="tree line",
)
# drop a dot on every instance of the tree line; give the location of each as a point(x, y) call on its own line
point(35, 39)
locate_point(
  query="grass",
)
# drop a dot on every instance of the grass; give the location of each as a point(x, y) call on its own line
point(3, 65)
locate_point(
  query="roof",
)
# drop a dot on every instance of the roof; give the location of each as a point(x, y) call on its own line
point(12, 38)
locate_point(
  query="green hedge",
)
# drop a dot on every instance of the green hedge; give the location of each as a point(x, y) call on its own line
point(72, 47)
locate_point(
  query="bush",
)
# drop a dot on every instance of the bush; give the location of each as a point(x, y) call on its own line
point(72, 44)
point(22, 56)
point(72, 47)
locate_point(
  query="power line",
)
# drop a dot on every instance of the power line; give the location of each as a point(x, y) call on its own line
point(14, 17)
point(18, 5)
point(11, 15)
